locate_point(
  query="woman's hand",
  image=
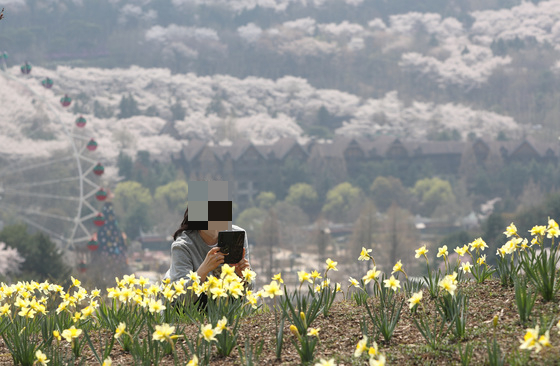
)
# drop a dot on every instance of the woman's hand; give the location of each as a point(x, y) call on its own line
point(212, 261)
point(241, 265)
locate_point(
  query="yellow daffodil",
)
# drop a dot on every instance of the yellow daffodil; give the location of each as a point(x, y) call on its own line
point(544, 340)
point(553, 232)
point(512, 245)
point(421, 251)
point(373, 350)
point(179, 289)
point(249, 275)
point(227, 270)
point(221, 326)
point(207, 332)
point(41, 358)
point(361, 347)
point(252, 299)
point(304, 276)
point(142, 281)
point(294, 330)
point(397, 267)
point(462, 250)
point(364, 254)
point(415, 299)
point(155, 306)
point(193, 361)
point(448, 283)
point(168, 293)
point(315, 275)
point(530, 340)
point(323, 362)
point(466, 267)
point(481, 260)
point(153, 290)
point(501, 252)
point(354, 282)
point(77, 316)
point(107, 362)
point(95, 293)
point(478, 244)
point(218, 292)
point(193, 276)
point(71, 333)
point(75, 282)
point(552, 224)
point(371, 275)
point(120, 330)
point(125, 295)
point(278, 277)
point(21, 303)
point(27, 313)
point(379, 362)
point(56, 335)
point(56, 288)
point(511, 230)
point(164, 333)
point(392, 283)
point(443, 252)
point(313, 332)
point(538, 230)
point(331, 264)
point(5, 309)
point(272, 290)
point(130, 280)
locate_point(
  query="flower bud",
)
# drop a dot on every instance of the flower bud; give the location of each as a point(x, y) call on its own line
point(495, 321)
point(294, 330)
point(302, 316)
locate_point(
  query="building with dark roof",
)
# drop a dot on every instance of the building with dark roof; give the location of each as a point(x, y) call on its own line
point(254, 168)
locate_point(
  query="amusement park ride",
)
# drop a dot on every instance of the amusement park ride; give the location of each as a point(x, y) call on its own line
point(58, 195)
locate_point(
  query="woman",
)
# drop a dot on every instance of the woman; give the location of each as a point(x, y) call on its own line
point(197, 251)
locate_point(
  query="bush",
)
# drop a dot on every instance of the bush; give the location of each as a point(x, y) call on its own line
point(43, 259)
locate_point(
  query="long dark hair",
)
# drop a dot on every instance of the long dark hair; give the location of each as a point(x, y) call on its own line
point(184, 225)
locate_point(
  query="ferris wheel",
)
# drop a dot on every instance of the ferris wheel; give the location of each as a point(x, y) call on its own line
point(57, 195)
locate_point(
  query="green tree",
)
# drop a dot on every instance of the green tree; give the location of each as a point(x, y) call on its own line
point(251, 220)
point(174, 194)
point(386, 191)
point(133, 203)
point(539, 214)
point(291, 172)
point(266, 200)
point(493, 235)
point(341, 200)
point(125, 165)
point(431, 193)
point(304, 196)
point(364, 230)
point(128, 107)
point(269, 237)
point(398, 238)
point(43, 259)
point(178, 111)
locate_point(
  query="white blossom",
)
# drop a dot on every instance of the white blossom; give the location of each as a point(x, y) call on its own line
point(250, 32)
point(10, 260)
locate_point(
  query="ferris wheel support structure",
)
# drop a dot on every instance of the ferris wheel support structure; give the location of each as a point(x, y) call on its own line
point(81, 200)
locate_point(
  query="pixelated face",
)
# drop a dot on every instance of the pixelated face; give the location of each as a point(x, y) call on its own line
point(210, 207)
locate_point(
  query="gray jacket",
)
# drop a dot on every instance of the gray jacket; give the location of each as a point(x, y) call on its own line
point(189, 251)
